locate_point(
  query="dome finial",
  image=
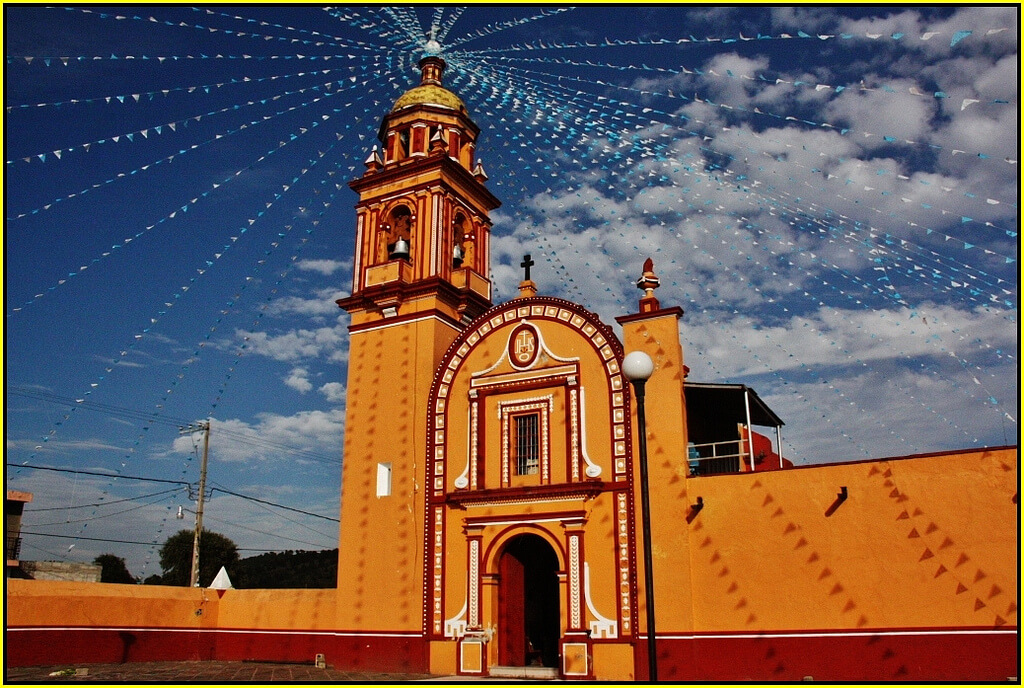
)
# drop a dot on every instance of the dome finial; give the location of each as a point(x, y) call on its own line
point(432, 67)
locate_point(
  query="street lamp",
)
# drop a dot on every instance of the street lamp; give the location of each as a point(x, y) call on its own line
point(638, 368)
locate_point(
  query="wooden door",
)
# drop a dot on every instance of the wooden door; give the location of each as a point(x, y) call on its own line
point(511, 611)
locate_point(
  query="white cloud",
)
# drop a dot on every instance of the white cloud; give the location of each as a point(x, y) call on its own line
point(334, 392)
point(299, 344)
point(325, 266)
point(275, 439)
point(298, 379)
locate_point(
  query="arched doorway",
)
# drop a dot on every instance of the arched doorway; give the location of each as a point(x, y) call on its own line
point(529, 624)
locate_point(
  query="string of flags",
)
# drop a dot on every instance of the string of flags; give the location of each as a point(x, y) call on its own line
point(887, 138)
point(249, 280)
point(956, 37)
point(506, 102)
point(184, 208)
point(766, 81)
point(567, 137)
point(622, 115)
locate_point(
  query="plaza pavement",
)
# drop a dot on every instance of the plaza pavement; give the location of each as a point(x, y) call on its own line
point(202, 672)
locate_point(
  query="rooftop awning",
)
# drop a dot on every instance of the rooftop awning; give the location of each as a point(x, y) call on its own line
point(728, 402)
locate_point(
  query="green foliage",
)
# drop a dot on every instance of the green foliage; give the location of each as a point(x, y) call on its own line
point(288, 569)
point(271, 570)
point(215, 551)
point(114, 570)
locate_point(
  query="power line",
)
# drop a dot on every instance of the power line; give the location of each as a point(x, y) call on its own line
point(102, 475)
point(91, 405)
point(173, 482)
point(180, 423)
point(97, 518)
point(280, 506)
point(80, 537)
point(110, 503)
point(295, 521)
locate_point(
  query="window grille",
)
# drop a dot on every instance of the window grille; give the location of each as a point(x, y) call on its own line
point(527, 443)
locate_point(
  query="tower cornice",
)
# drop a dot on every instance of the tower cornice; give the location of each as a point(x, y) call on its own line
point(430, 168)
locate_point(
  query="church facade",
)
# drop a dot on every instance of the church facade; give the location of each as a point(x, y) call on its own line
point(490, 512)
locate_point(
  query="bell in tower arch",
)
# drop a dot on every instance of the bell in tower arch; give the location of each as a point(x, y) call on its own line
point(398, 232)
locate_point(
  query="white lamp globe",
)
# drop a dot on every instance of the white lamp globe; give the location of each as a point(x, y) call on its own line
point(637, 366)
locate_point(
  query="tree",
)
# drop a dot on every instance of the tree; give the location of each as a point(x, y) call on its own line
point(215, 551)
point(114, 569)
point(288, 570)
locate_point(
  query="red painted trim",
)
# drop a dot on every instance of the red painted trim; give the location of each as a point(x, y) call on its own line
point(385, 651)
point(918, 655)
point(37, 647)
point(957, 655)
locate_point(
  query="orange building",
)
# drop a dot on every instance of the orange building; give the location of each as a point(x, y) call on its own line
point(490, 514)
point(491, 520)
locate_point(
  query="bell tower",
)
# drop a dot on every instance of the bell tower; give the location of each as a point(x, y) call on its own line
point(420, 275)
point(422, 226)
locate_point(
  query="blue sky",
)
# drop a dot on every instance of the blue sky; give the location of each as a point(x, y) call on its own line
point(830, 193)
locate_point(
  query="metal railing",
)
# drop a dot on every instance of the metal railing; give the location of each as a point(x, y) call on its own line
point(714, 458)
point(13, 548)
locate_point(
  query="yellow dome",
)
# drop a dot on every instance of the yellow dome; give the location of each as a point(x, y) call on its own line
point(429, 94)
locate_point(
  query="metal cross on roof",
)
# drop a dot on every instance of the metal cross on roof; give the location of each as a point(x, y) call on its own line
point(526, 265)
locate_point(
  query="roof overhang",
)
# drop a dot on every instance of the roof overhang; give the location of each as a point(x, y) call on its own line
point(728, 400)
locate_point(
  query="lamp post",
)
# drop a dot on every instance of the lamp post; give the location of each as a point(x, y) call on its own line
point(638, 368)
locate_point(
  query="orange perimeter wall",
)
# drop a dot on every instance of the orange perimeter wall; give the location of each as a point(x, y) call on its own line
point(914, 576)
point(50, 622)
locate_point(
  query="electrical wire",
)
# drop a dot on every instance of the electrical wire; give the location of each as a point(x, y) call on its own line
point(96, 518)
point(115, 501)
point(102, 475)
point(280, 506)
point(180, 423)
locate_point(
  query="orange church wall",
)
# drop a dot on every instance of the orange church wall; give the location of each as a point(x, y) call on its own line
point(51, 622)
point(380, 573)
point(57, 621)
point(912, 577)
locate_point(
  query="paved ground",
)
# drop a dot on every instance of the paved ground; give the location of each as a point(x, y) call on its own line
point(199, 672)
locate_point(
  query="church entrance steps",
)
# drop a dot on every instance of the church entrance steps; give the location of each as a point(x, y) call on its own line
point(530, 673)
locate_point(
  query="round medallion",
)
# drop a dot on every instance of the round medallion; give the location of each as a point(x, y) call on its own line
point(523, 346)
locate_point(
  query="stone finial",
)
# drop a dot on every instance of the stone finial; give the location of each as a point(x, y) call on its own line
point(373, 161)
point(648, 282)
point(438, 142)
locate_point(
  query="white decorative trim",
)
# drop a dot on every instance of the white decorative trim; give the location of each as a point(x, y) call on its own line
point(574, 434)
point(462, 482)
point(544, 404)
point(436, 234)
point(438, 569)
point(406, 322)
point(625, 612)
point(455, 627)
point(540, 344)
point(592, 470)
point(574, 582)
point(474, 583)
point(357, 273)
point(603, 627)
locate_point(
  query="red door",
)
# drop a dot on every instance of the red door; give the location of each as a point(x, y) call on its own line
point(511, 608)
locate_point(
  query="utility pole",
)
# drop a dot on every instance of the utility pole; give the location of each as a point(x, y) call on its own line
point(204, 426)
